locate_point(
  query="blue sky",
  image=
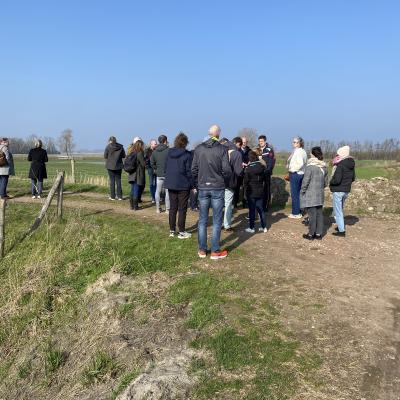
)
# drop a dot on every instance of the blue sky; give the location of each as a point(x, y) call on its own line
point(321, 69)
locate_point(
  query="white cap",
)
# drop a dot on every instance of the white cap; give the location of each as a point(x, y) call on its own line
point(136, 139)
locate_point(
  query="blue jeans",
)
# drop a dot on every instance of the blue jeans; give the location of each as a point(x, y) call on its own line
point(136, 190)
point(37, 187)
point(3, 185)
point(215, 198)
point(228, 198)
point(256, 204)
point(152, 183)
point(338, 199)
point(115, 180)
point(295, 187)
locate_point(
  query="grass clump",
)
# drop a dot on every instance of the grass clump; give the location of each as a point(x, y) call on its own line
point(125, 380)
point(101, 367)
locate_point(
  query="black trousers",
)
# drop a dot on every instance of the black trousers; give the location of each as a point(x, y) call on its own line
point(316, 218)
point(178, 205)
point(240, 195)
point(267, 192)
point(194, 199)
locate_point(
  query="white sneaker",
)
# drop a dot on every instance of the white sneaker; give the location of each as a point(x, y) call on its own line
point(265, 230)
point(249, 230)
point(38, 197)
point(172, 233)
point(119, 198)
point(110, 198)
point(298, 216)
point(184, 235)
point(33, 197)
point(158, 211)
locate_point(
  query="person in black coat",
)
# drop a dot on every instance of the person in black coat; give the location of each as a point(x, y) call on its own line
point(114, 153)
point(37, 172)
point(178, 181)
point(255, 177)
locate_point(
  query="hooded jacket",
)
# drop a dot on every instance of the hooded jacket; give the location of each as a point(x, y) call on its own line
point(158, 159)
point(343, 176)
point(178, 175)
point(210, 168)
point(254, 179)
point(114, 154)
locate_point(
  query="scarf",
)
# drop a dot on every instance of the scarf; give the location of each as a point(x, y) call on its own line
point(318, 163)
point(336, 160)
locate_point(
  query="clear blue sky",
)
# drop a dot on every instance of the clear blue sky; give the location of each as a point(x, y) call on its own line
point(321, 69)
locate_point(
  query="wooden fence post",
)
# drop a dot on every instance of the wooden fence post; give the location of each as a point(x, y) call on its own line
point(73, 170)
point(2, 226)
point(47, 202)
point(60, 196)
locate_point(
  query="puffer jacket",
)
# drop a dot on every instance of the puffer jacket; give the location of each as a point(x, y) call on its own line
point(343, 176)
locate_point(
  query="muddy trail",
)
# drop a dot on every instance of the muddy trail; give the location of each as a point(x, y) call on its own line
point(340, 296)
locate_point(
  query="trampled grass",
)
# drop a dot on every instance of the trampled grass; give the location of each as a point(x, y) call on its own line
point(44, 280)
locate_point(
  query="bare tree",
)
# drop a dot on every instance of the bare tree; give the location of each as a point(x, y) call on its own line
point(66, 142)
point(50, 145)
point(251, 135)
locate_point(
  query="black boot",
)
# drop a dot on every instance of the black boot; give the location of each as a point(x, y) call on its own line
point(135, 203)
point(131, 202)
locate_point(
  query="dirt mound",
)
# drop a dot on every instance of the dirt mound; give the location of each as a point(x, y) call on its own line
point(167, 381)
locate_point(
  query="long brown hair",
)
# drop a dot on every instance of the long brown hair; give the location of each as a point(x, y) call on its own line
point(136, 147)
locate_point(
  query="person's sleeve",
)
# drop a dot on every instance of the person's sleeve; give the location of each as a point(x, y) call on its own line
point(337, 176)
point(46, 158)
point(306, 180)
point(106, 153)
point(246, 178)
point(188, 170)
point(237, 162)
point(123, 154)
point(141, 160)
point(6, 153)
point(326, 180)
point(195, 170)
point(354, 175)
point(226, 168)
point(30, 155)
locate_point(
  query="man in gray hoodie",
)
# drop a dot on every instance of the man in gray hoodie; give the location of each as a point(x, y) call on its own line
point(211, 173)
point(157, 160)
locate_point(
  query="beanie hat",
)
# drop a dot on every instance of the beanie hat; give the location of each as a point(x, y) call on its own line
point(343, 152)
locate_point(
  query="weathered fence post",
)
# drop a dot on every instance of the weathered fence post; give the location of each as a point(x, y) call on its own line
point(73, 170)
point(48, 201)
point(2, 226)
point(60, 196)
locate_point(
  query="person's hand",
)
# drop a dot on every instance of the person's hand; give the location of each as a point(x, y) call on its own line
point(194, 190)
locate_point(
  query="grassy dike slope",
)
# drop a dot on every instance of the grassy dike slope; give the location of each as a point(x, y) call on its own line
point(88, 304)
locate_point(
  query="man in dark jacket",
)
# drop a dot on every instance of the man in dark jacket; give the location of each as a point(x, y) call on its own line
point(340, 185)
point(268, 155)
point(211, 173)
point(114, 154)
point(236, 163)
point(157, 161)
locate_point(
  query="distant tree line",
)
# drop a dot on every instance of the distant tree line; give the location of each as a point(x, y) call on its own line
point(389, 149)
point(63, 144)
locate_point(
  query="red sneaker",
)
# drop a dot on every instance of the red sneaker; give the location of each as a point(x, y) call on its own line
point(202, 254)
point(218, 255)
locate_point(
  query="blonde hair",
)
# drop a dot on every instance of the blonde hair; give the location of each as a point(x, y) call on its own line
point(38, 143)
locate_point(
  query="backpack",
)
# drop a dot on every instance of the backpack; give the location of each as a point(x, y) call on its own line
point(3, 159)
point(130, 163)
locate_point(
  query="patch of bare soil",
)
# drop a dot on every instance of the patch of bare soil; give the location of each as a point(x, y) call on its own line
point(339, 296)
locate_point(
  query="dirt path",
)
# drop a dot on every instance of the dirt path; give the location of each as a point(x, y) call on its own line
point(339, 296)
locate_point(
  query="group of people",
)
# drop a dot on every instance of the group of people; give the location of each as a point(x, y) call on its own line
point(219, 174)
point(37, 171)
